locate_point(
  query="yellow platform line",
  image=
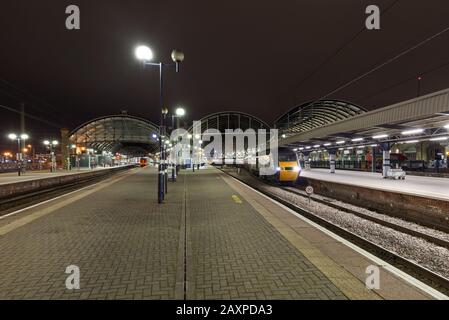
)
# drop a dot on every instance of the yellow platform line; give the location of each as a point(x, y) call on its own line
point(236, 199)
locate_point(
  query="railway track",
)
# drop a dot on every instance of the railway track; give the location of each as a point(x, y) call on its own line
point(422, 273)
point(427, 237)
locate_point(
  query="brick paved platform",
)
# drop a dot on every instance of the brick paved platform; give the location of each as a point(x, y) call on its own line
point(212, 239)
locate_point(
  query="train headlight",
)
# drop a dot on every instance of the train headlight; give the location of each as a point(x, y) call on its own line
point(297, 169)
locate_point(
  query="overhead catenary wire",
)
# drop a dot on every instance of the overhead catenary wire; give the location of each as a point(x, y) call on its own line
point(380, 66)
point(31, 97)
point(50, 123)
point(338, 51)
point(387, 62)
point(427, 72)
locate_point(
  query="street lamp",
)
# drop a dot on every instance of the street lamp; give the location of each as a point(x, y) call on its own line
point(145, 54)
point(23, 137)
point(180, 112)
point(51, 146)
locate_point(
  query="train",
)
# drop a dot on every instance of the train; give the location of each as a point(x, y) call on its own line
point(287, 169)
point(143, 162)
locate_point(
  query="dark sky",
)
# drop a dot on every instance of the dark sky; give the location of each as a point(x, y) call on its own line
point(260, 57)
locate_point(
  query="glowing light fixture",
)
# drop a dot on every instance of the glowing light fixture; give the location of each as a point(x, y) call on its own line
point(144, 53)
point(413, 131)
point(381, 136)
point(180, 112)
point(439, 139)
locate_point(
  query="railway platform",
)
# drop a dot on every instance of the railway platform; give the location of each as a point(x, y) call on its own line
point(212, 238)
point(13, 177)
point(430, 187)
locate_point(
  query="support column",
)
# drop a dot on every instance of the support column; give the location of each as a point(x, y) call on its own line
point(306, 160)
point(65, 148)
point(332, 160)
point(386, 165)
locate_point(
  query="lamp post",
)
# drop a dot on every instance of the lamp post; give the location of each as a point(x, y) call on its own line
point(51, 146)
point(145, 54)
point(23, 137)
point(179, 113)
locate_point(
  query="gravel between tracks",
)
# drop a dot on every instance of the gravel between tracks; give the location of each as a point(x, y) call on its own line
point(420, 251)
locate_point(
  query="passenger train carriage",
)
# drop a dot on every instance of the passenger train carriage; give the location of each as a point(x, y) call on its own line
point(286, 170)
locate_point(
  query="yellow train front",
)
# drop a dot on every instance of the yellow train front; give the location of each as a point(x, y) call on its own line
point(289, 168)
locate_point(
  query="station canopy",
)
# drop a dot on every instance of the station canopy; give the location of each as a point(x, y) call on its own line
point(425, 118)
point(315, 114)
point(123, 134)
point(231, 120)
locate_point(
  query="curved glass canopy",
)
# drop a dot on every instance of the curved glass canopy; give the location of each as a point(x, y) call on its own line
point(316, 114)
point(117, 133)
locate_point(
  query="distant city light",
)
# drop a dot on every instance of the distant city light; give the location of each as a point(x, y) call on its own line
point(12, 136)
point(413, 131)
point(24, 136)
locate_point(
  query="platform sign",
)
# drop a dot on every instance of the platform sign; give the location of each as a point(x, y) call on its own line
point(309, 191)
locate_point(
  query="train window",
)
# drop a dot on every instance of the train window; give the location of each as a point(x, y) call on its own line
point(287, 157)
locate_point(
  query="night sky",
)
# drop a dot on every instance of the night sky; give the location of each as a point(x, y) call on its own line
point(259, 57)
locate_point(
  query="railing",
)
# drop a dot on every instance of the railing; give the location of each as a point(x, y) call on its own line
point(14, 167)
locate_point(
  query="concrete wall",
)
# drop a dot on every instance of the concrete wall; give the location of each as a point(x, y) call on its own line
point(425, 211)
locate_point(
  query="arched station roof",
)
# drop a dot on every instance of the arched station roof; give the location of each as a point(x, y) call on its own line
point(316, 114)
point(231, 120)
point(117, 133)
